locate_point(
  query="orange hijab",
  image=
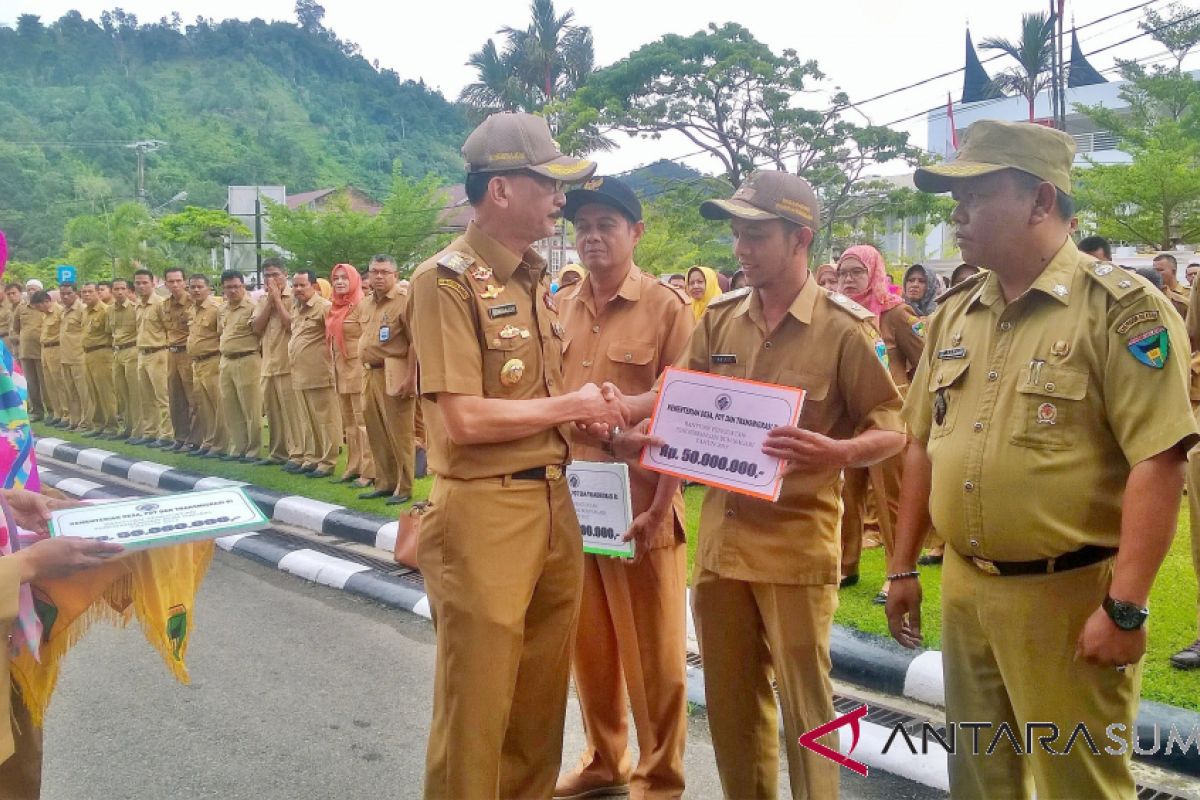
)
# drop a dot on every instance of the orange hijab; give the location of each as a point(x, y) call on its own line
point(343, 303)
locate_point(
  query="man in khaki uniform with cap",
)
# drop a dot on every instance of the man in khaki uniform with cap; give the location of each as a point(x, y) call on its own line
point(241, 368)
point(73, 372)
point(54, 395)
point(27, 328)
point(272, 324)
point(153, 400)
point(180, 388)
point(499, 427)
point(625, 327)
point(312, 378)
point(122, 325)
point(389, 378)
point(98, 365)
point(204, 347)
point(1072, 372)
point(765, 581)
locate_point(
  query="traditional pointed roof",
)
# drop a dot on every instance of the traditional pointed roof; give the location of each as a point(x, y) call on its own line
point(976, 83)
point(1081, 73)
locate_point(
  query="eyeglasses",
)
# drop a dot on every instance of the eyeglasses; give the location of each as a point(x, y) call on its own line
point(543, 181)
point(853, 272)
point(380, 272)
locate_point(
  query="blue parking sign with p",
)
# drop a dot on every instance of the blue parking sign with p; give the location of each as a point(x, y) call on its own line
point(66, 273)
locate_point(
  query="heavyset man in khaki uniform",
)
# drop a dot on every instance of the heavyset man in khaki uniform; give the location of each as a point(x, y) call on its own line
point(204, 348)
point(389, 381)
point(180, 390)
point(499, 426)
point(98, 365)
point(74, 377)
point(312, 378)
point(122, 325)
point(27, 328)
point(625, 327)
point(153, 401)
point(1048, 426)
point(54, 395)
point(241, 367)
point(272, 323)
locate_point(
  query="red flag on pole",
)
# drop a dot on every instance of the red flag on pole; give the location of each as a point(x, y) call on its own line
point(950, 119)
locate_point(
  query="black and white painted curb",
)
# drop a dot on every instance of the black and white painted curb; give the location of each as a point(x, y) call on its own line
point(858, 658)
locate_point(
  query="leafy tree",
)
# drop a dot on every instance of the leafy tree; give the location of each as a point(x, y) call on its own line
point(1033, 52)
point(1178, 30)
point(677, 237)
point(110, 244)
point(196, 232)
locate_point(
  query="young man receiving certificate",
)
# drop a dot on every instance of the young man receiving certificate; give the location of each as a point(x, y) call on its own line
point(766, 575)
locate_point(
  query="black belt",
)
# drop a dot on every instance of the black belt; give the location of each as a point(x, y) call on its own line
point(232, 356)
point(206, 356)
point(49, 344)
point(149, 351)
point(119, 347)
point(1083, 557)
point(373, 366)
point(94, 349)
point(177, 348)
point(551, 472)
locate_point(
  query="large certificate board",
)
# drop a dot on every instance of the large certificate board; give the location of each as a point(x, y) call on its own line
point(162, 520)
point(600, 491)
point(714, 428)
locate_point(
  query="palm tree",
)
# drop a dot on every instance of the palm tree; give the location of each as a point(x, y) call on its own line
point(497, 88)
point(1033, 53)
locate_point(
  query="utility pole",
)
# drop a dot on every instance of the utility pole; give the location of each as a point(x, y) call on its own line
point(141, 148)
point(258, 234)
point(1055, 75)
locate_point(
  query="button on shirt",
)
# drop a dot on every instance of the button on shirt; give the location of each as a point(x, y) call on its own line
point(275, 337)
point(312, 365)
point(461, 349)
point(71, 338)
point(826, 345)
point(1033, 429)
point(95, 327)
point(233, 323)
point(151, 322)
point(122, 323)
point(203, 337)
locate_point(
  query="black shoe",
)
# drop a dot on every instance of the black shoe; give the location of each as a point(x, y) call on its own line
point(175, 447)
point(398, 499)
point(319, 473)
point(353, 476)
point(134, 440)
point(202, 452)
point(230, 457)
point(267, 462)
point(155, 443)
point(929, 560)
point(307, 469)
point(375, 494)
point(422, 464)
point(1188, 657)
point(848, 581)
point(880, 599)
point(247, 459)
point(292, 467)
point(213, 454)
point(93, 435)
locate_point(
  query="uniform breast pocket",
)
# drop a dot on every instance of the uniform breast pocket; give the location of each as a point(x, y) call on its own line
point(1049, 407)
point(813, 413)
point(633, 361)
point(946, 396)
point(507, 363)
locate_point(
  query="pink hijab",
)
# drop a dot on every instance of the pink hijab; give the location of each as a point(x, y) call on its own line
point(343, 304)
point(877, 297)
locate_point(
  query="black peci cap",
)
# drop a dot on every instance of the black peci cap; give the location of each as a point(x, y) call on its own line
point(605, 191)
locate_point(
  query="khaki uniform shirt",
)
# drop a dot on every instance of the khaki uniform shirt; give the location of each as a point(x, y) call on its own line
point(275, 338)
point(177, 314)
point(122, 322)
point(827, 345)
point(312, 364)
point(151, 322)
point(463, 300)
point(374, 316)
point(1180, 299)
point(52, 325)
point(95, 327)
point(1033, 411)
point(347, 367)
point(7, 312)
point(641, 332)
point(10, 600)
point(203, 337)
point(29, 321)
point(72, 333)
point(233, 324)
point(1193, 329)
point(903, 334)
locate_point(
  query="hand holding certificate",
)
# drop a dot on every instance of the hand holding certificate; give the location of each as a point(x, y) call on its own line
point(714, 429)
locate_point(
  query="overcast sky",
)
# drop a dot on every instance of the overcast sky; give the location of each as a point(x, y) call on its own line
point(864, 46)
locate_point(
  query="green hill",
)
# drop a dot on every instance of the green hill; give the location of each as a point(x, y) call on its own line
point(235, 102)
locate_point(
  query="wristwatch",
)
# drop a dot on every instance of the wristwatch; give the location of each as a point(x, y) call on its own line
point(1126, 616)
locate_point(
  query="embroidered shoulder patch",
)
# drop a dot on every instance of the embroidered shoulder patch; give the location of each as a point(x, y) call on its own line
point(456, 262)
point(455, 287)
point(1152, 347)
point(1149, 315)
point(918, 328)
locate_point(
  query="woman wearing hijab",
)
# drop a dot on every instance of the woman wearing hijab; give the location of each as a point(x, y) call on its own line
point(571, 274)
point(827, 277)
point(921, 288)
point(342, 332)
point(702, 287)
point(862, 275)
point(325, 288)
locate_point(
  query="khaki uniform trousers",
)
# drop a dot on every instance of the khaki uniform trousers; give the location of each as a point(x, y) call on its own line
point(389, 422)
point(883, 480)
point(79, 401)
point(154, 402)
point(323, 423)
point(181, 397)
point(206, 382)
point(1006, 659)
point(748, 633)
point(52, 388)
point(21, 773)
point(285, 434)
point(125, 379)
point(503, 634)
point(32, 367)
point(358, 451)
point(1193, 494)
point(633, 638)
point(241, 403)
point(98, 365)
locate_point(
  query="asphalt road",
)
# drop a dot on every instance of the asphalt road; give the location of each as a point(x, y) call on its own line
point(298, 692)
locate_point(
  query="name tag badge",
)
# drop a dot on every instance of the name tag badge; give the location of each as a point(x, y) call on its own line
point(385, 333)
point(952, 353)
point(723, 358)
point(506, 310)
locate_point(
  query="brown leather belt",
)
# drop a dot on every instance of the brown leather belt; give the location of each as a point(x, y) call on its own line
point(177, 348)
point(119, 347)
point(1076, 559)
point(234, 356)
point(149, 351)
point(551, 472)
point(94, 349)
point(206, 356)
point(49, 344)
point(373, 366)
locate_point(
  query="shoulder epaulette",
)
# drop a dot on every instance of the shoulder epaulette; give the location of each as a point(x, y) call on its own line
point(849, 306)
point(970, 283)
point(1116, 281)
point(729, 297)
point(456, 262)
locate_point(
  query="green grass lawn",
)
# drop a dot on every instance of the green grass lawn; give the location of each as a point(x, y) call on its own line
point(1173, 601)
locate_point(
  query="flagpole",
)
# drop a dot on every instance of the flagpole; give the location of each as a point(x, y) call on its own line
point(1055, 55)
